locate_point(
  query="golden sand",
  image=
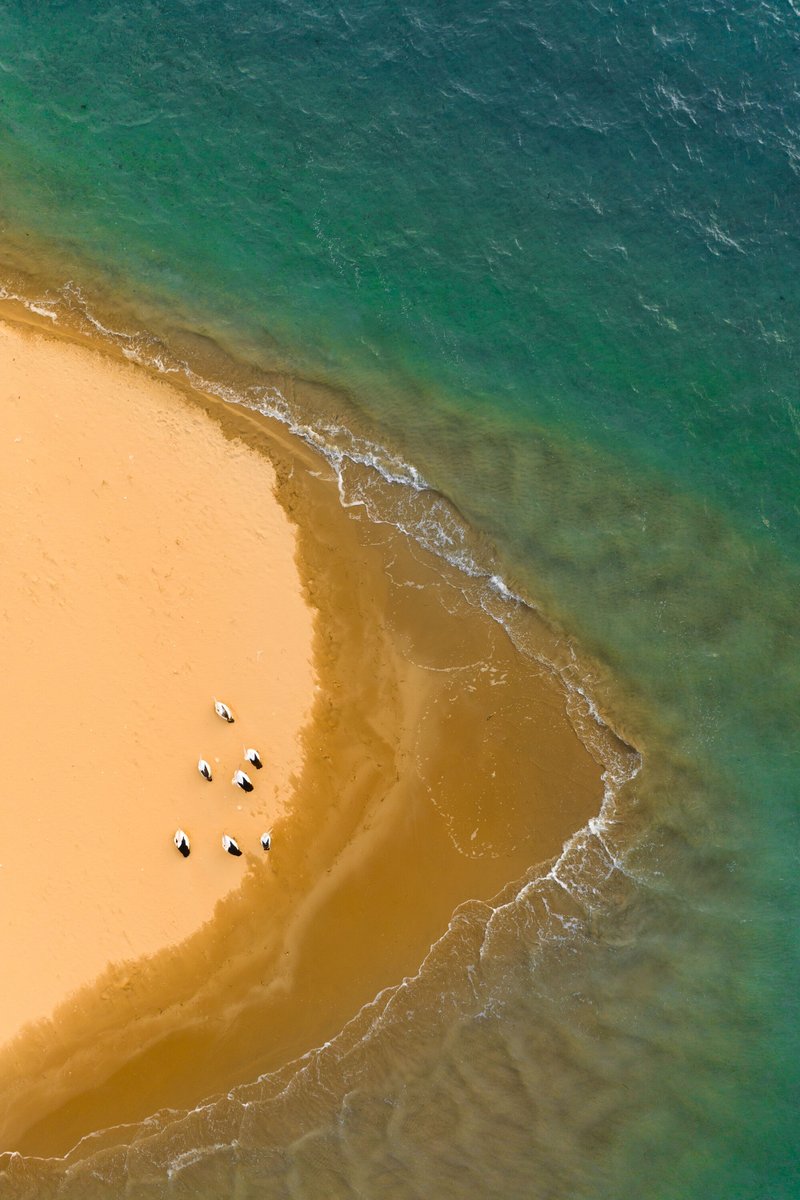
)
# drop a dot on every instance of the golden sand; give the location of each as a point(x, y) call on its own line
point(146, 567)
point(438, 763)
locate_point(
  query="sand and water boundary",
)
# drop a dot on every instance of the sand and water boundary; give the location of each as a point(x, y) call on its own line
point(426, 761)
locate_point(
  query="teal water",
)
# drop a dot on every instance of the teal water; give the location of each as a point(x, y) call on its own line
point(550, 253)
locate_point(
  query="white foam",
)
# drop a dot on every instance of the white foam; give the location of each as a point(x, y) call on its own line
point(43, 312)
point(190, 1157)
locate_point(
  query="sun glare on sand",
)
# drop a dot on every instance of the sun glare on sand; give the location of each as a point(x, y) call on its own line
point(147, 568)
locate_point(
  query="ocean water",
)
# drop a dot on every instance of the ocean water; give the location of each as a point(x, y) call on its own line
point(547, 255)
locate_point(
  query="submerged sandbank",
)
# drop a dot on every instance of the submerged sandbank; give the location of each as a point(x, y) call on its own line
point(146, 568)
point(438, 764)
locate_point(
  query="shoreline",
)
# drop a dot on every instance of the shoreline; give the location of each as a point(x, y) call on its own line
point(379, 812)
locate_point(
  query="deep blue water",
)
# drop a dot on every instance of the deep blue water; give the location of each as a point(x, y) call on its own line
point(549, 252)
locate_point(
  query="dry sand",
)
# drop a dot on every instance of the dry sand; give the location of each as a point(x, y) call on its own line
point(146, 568)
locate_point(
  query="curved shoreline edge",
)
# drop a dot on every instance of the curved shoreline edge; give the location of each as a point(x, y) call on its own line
point(435, 662)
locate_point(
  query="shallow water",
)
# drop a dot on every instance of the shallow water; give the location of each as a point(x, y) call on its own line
point(550, 255)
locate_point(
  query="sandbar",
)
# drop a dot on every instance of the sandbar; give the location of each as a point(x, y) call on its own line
point(415, 759)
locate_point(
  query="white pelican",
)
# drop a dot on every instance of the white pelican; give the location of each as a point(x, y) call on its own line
point(266, 840)
point(230, 844)
point(254, 757)
point(204, 769)
point(182, 842)
point(223, 711)
point(243, 781)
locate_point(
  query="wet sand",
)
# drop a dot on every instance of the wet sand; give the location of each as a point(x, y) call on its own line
point(438, 764)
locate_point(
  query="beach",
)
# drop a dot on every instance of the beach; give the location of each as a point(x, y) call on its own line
point(162, 550)
point(142, 552)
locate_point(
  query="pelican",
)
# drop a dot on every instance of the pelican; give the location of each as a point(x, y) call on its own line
point(204, 769)
point(182, 842)
point(266, 841)
point(230, 844)
point(223, 711)
point(254, 757)
point(243, 781)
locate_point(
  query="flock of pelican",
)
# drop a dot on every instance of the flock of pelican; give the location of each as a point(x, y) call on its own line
point(240, 779)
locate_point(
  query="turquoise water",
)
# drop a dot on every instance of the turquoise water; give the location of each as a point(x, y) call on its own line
point(550, 253)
